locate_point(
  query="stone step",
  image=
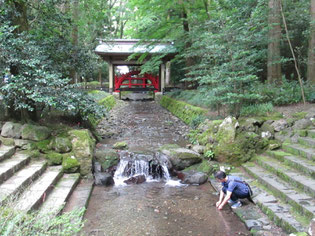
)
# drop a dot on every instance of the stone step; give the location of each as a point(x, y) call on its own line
point(307, 141)
point(80, 196)
point(36, 194)
point(279, 212)
point(301, 202)
point(288, 174)
point(11, 165)
point(10, 189)
point(56, 200)
point(6, 152)
point(303, 165)
point(298, 150)
point(311, 133)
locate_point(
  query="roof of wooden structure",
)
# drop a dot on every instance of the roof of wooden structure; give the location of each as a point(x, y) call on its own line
point(117, 51)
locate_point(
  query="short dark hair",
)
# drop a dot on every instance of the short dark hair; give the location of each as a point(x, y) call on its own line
point(220, 174)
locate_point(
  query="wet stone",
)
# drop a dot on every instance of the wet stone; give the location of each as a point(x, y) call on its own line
point(253, 224)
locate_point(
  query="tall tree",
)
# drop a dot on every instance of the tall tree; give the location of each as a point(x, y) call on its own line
point(274, 35)
point(311, 47)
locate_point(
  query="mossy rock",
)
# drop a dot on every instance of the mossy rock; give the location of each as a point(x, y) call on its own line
point(106, 158)
point(168, 147)
point(120, 145)
point(205, 167)
point(43, 146)
point(83, 146)
point(61, 144)
point(11, 130)
point(182, 157)
point(274, 144)
point(7, 141)
point(54, 158)
point(241, 150)
point(70, 164)
point(299, 115)
point(227, 130)
point(302, 133)
point(35, 132)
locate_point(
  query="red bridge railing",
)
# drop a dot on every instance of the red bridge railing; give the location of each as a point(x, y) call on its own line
point(146, 82)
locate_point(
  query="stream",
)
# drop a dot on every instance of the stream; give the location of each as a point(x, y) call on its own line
point(154, 207)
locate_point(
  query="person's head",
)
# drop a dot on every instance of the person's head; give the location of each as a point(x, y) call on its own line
point(220, 175)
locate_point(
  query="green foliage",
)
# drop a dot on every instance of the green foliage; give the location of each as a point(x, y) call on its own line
point(257, 109)
point(209, 154)
point(18, 223)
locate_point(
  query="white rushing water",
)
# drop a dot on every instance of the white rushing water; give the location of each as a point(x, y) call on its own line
point(128, 168)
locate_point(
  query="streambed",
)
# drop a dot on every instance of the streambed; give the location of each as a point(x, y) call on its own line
point(153, 208)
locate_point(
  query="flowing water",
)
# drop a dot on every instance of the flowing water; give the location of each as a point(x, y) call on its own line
point(160, 206)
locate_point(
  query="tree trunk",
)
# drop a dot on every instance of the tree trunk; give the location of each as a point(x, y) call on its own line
point(274, 35)
point(20, 17)
point(74, 36)
point(311, 47)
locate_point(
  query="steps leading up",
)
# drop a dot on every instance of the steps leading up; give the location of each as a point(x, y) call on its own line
point(285, 182)
point(55, 202)
point(20, 180)
point(300, 202)
point(6, 152)
point(304, 165)
point(11, 165)
point(39, 190)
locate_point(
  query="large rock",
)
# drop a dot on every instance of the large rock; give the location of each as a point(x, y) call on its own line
point(138, 179)
point(103, 179)
point(182, 157)
point(70, 164)
point(227, 130)
point(106, 157)
point(35, 132)
point(193, 177)
point(54, 158)
point(279, 125)
point(83, 148)
point(11, 130)
point(302, 124)
point(61, 144)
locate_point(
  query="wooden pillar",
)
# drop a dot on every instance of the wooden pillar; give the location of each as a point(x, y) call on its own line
point(168, 74)
point(111, 77)
point(162, 77)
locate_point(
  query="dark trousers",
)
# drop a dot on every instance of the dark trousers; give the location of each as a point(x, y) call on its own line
point(236, 194)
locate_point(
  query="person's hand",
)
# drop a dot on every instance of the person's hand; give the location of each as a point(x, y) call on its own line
point(218, 203)
point(220, 207)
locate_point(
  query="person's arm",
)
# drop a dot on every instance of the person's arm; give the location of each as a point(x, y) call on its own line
point(227, 197)
point(220, 198)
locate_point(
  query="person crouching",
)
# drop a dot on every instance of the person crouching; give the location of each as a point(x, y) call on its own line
point(233, 189)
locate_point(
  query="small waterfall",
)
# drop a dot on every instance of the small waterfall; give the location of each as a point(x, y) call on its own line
point(151, 166)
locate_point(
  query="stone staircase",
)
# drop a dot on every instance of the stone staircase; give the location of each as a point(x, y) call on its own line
point(28, 184)
point(283, 182)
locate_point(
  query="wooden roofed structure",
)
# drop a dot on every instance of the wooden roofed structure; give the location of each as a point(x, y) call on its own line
point(116, 53)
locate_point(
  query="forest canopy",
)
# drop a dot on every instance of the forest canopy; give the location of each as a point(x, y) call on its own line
point(235, 54)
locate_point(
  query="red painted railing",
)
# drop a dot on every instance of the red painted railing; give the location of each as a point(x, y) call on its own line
point(133, 82)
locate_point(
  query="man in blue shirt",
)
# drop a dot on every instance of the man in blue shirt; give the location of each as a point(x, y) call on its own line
point(233, 188)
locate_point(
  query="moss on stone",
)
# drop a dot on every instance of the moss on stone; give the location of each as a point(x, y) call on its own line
point(299, 115)
point(204, 167)
point(83, 146)
point(107, 158)
point(121, 145)
point(302, 133)
point(184, 111)
point(108, 102)
point(54, 158)
point(61, 143)
point(70, 164)
point(7, 141)
point(43, 146)
point(35, 132)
